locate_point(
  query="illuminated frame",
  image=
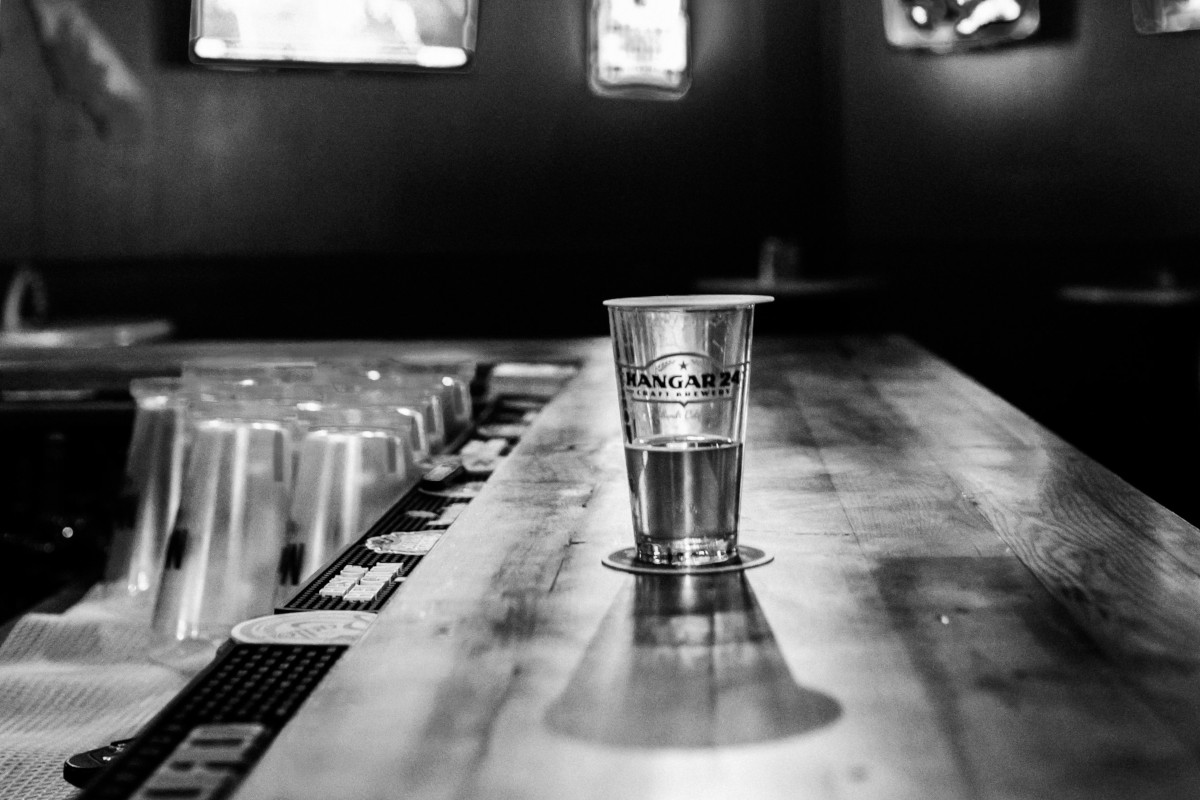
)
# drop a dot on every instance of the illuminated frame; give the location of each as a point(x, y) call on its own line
point(1166, 16)
point(357, 34)
point(639, 49)
point(943, 26)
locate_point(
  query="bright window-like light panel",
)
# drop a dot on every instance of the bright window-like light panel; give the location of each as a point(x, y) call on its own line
point(423, 34)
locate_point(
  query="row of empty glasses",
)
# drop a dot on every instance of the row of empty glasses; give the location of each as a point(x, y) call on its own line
point(245, 477)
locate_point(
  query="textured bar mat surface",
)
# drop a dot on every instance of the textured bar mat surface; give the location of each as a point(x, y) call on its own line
point(94, 674)
point(250, 686)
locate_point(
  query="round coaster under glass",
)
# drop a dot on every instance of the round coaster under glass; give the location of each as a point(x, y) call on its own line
point(626, 560)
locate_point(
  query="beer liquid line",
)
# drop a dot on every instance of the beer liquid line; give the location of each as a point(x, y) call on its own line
point(684, 487)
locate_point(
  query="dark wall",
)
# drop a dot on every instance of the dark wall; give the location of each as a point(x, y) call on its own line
point(1032, 164)
point(276, 185)
point(985, 183)
point(800, 118)
point(1081, 135)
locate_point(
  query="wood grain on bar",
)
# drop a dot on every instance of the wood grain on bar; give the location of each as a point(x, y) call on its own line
point(961, 605)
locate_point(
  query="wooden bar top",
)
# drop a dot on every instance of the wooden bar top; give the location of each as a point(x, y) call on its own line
point(961, 605)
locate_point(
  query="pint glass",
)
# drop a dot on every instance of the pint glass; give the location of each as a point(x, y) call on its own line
point(683, 366)
point(221, 558)
point(153, 478)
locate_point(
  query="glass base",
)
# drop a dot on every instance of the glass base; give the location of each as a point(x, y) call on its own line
point(626, 560)
point(691, 552)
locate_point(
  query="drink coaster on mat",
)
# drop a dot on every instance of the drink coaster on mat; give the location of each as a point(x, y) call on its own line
point(626, 560)
point(304, 628)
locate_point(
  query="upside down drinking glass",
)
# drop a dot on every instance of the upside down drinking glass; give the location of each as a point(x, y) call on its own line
point(683, 366)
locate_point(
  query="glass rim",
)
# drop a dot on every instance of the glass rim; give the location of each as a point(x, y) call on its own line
point(156, 385)
point(689, 301)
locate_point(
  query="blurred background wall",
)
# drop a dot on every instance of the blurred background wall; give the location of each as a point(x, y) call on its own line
point(294, 192)
point(976, 188)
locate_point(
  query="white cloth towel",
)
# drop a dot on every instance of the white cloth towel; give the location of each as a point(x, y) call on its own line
point(76, 681)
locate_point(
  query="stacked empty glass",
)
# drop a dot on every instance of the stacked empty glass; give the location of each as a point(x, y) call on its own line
point(150, 494)
point(430, 392)
point(453, 382)
point(244, 477)
point(354, 463)
point(223, 553)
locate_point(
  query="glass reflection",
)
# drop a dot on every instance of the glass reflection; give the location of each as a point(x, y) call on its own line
point(686, 661)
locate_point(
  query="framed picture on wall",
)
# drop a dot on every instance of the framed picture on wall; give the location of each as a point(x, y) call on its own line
point(368, 34)
point(639, 49)
point(1166, 16)
point(944, 26)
